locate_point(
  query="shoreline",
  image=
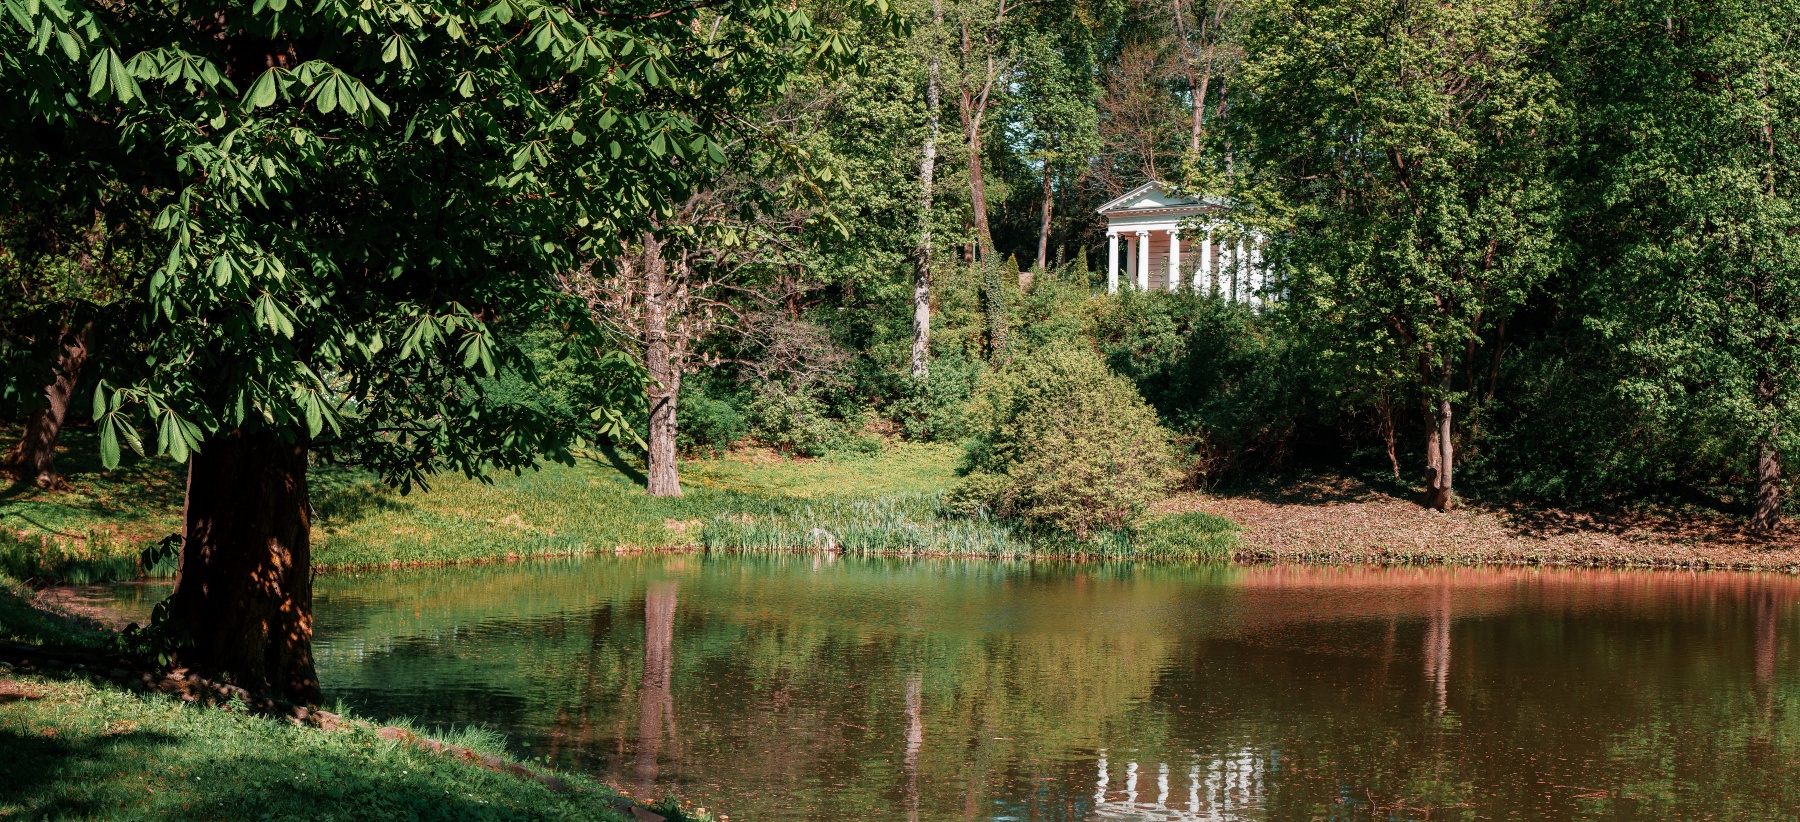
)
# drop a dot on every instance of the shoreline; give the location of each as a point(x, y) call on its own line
point(1342, 522)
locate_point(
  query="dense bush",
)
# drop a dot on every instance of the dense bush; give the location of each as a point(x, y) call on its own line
point(1062, 442)
point(1237, 384)
point(709, 420)
point(937, 409)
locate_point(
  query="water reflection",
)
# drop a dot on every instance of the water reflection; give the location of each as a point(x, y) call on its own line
point(1223, 788)
point(656, 697)
point(795, 688)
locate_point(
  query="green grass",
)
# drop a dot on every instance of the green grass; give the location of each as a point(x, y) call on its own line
point(596, 505)
point(749, 501)
point(1194, 535)
point(904, 524)
point(72, 749)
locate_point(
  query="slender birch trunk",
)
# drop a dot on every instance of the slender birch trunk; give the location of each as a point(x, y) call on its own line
point(921, 345)
point(1043, 254)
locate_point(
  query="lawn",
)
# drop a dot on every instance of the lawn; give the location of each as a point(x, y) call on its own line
point(750, 499)
point(73, 749)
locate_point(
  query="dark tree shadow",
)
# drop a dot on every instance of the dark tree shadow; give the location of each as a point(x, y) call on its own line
point(617, 461)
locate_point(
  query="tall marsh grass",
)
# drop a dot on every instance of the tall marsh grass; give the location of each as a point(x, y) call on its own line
point(922, 525)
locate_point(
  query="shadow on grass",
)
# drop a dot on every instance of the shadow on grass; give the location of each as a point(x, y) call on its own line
point(1321, 487)
point(617, 461)
point(342, 504)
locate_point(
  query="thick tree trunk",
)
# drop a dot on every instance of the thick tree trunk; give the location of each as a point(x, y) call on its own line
point(34, 458)
point(1767, 514)
point(244, 590)
point(921, 343)
point(1043, 255)
point(1441, 468)
point(665, 379)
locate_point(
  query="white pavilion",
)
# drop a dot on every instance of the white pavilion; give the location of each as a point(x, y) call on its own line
point(1146, 224)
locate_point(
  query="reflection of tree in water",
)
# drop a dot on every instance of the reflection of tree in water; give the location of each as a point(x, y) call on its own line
point(1437, 649)
point(656, 698)
point(1662, 695)
point(915, 739)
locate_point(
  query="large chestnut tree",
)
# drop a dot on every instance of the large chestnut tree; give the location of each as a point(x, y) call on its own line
point(352, 197)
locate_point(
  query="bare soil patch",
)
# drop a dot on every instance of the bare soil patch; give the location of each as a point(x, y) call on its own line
point(1340, 520)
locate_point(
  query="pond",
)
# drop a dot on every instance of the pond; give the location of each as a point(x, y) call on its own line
point(808, 688)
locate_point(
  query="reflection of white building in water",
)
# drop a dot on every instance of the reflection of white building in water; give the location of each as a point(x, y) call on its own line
point(1228, 787)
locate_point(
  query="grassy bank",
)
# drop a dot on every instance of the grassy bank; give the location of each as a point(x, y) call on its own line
point(754, 500)
point(71, 748)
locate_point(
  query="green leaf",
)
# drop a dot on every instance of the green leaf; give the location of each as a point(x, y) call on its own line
point(109, 443)
point(97, 74)
point(327, 97)
point(262, 92)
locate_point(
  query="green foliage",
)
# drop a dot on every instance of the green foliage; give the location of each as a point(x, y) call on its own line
point(1064, 443)
point(354, 198)
point(1404, 255)
point(909, 525)
point(1689, 321)
point(709, 424)
point(937, 409)
point(1193, 535)
point(793, 420)
point(1241, 386)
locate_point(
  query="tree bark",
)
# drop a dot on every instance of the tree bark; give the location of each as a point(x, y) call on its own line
point(1767, 515)
point(1043, 254)
point(243, 593)
point(34, 458)
point(921, 344)
point(973, 107)
point(1440, 473)
point(664, 386)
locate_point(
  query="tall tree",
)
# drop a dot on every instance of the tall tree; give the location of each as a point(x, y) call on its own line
point(1403, 146)
point(921, 341)
point(1204, 50)
point(987, 54)
point(1690, 144)
point(359, 192)
point(69, 250)
point(1053, 116)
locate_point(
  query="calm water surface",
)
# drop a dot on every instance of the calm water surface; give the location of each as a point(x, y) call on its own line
point(795, 688)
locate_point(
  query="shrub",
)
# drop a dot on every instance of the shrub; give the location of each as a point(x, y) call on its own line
point(708, 423)
point(794, 421)
point(937, 410)
point(1063, 442)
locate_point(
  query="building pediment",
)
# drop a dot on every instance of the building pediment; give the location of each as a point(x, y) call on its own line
point(1154, 197)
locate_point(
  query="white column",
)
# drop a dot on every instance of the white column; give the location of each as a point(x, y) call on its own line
point(1112, 262)
point(1242, 264)
point(1174, 259)
point(1203, 279)
point(1143, 260)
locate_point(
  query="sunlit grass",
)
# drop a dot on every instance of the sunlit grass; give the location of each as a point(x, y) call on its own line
point(74, 750)
point(749, 500)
